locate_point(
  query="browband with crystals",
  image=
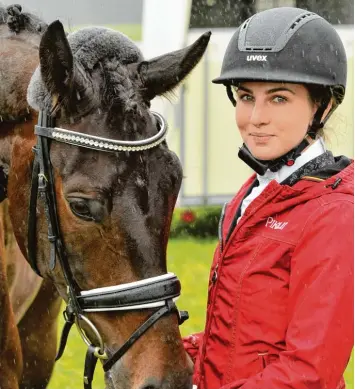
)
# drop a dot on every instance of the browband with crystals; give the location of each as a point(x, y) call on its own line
point(104, 144)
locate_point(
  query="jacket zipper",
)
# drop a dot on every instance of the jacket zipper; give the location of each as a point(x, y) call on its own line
point(220, 238)
point(220, 227)
point(214, 279)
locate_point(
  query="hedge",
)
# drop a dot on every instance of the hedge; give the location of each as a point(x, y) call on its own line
point(198, 222)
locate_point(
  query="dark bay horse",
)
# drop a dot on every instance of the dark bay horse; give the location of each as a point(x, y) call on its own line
point(103, 191)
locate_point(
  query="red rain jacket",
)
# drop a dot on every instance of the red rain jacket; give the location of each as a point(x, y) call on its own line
point(280, 301)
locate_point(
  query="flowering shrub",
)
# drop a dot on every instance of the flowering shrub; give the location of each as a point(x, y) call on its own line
point(187, 216)
point(199, 222)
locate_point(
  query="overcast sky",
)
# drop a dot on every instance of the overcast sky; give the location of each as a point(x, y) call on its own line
point(79, 12)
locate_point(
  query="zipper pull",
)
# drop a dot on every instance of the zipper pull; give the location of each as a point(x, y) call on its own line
point(215, 275)
point(220, 227)
point(335, 184)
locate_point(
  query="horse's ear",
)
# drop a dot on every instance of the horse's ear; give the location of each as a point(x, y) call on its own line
point(162, 74)
point(56, 60)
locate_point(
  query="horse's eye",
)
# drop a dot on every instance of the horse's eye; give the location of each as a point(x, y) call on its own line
point(87, 209)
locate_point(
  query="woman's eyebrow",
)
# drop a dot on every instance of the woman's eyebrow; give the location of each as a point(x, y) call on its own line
point(243, 88)
point(273, 90)
point(280, 89)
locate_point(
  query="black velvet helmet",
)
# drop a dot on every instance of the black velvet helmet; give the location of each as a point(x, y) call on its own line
point(288, 45)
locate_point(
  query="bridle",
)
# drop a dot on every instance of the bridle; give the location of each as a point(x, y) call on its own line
point(157, 293)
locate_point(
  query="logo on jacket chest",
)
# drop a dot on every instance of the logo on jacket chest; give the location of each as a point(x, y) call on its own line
point(274, 224)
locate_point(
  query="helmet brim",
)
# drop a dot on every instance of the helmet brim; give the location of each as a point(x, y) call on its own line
point(233, 77)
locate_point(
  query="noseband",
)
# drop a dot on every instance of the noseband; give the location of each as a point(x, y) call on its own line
point(159, 293)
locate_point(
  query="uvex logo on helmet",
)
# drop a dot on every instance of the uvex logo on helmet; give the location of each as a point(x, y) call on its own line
point(256, 57)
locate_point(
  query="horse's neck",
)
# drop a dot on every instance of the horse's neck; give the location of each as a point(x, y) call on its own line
point(19, 59)
point(27, 36)
point(5, 151)
point(8, 132)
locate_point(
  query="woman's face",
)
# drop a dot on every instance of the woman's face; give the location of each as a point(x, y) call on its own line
point(273, 117)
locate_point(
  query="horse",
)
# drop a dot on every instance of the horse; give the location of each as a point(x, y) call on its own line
point(29, 305)
point(99, 184)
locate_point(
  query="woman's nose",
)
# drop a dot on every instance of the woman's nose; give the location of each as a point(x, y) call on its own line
point(259, 115)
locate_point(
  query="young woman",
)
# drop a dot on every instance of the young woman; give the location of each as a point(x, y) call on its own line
point(280, 303)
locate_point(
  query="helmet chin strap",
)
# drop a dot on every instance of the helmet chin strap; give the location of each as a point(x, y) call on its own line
point(288, 159)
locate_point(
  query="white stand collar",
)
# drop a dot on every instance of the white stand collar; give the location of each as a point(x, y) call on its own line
point(314, 150)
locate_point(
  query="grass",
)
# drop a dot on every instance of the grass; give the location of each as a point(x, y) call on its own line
point(190, 261)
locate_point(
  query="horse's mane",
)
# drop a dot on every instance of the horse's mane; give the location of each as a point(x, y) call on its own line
point(20, 33)
point(19, 21)
point(91, 47)
point(3, 14)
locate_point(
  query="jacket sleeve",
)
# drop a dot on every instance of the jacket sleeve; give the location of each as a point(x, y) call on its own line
point(319, 337)
point(192, 343)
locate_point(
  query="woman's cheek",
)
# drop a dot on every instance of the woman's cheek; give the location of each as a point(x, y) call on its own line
point(241, 119)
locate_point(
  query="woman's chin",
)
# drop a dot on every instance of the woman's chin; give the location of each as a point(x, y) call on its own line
point(264, 155)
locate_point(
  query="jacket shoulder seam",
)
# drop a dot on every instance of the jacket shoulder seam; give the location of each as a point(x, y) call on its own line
point(320, 210)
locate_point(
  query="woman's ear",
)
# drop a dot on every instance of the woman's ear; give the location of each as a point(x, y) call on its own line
point(327, 110)
point(325, 113)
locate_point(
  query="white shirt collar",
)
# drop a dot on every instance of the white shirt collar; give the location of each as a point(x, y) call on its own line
point(314, 150)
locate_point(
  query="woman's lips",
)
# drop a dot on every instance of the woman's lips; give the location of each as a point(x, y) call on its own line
point(261, 137)
point(260, 134)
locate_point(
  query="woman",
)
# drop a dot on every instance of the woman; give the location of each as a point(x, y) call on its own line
point(280, 303)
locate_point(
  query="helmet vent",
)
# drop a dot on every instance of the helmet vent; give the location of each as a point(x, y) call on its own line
point(296, 22)
point(258, 48)
point(272, 31)
point(245, 24)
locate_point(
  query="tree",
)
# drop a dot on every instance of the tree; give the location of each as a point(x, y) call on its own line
point(220, 13)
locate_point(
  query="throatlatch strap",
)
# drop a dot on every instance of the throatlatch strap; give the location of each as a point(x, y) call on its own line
point(32, 218)
point(44, 189)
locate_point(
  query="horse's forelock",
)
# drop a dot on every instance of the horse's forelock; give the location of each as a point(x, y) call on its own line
point(90, 46)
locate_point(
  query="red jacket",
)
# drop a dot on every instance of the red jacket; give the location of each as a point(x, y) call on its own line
point(280, 302)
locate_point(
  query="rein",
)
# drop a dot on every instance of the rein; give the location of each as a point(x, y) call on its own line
point(158, 293)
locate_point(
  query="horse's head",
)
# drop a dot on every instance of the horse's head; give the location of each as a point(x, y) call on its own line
point(114, 205)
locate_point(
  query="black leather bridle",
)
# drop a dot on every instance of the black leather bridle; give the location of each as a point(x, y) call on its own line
point(157, 293)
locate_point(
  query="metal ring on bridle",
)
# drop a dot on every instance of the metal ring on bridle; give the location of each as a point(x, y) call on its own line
point(100, 350)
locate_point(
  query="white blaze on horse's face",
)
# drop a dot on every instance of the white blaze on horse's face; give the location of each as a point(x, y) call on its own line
point(116, 185)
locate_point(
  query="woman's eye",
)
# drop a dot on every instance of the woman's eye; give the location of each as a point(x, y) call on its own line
point(279, 99)
point(246, 98)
